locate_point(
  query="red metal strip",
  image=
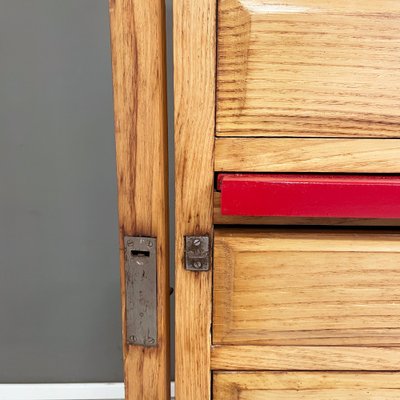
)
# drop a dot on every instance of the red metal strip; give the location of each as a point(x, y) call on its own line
point(291, 195)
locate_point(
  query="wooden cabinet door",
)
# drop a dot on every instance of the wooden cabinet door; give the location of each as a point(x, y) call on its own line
point(139, 74)
point(296, 86)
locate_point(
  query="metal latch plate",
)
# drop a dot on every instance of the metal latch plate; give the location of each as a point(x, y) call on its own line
point(197, 253)
point(141, 290)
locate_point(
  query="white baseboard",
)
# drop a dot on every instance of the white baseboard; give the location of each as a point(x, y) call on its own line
point(65, 391)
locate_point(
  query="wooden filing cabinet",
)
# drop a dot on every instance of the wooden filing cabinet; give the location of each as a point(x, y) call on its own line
point(270, 305)
point(292, 307)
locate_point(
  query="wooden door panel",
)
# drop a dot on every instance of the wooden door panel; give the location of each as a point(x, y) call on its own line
point(306, 287)
point(306, 386)
point(139, 77)
point(308, 68)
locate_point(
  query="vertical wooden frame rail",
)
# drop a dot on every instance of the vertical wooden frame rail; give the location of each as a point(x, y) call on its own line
point(139, 75)
point(194, 84)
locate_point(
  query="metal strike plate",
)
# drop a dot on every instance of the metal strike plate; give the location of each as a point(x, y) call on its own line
point(141, 290)
point(197, 253)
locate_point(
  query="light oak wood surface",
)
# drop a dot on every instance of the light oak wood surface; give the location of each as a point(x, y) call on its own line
point(304, 358)
point(194, 76)
point(138, 61)
point(306, 386)
point(306, 287)
point(307, 155)
point(308, 68)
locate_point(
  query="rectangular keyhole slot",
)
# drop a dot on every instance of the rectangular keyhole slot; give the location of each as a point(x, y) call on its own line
point(140, 253)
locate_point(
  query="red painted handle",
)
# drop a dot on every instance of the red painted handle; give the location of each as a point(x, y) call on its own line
point(334, 196)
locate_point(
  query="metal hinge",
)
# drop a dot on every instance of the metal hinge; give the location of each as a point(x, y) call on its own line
point(197, 253)
point(141, 290)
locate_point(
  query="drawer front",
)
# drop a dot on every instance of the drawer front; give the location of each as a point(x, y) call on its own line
point(310, 195)
point(312, 68)
point(306, 287)
point(306, 386)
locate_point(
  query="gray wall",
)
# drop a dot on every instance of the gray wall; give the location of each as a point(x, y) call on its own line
point(59, 279)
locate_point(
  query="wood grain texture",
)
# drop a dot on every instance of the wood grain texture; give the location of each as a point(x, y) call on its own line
point(305, 358)
point(138, 61)
point(306, 287)
point(308, 68)
point(194, 80)
point(307, 155)
point(306, 386)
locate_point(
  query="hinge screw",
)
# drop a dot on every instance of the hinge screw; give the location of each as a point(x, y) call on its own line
point(132, 338)
point(196, 242)
point(197, 264)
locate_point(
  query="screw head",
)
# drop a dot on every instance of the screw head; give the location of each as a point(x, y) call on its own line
point(197, 264)
point(150, 340)
point(196, 242)
point(132, 338)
